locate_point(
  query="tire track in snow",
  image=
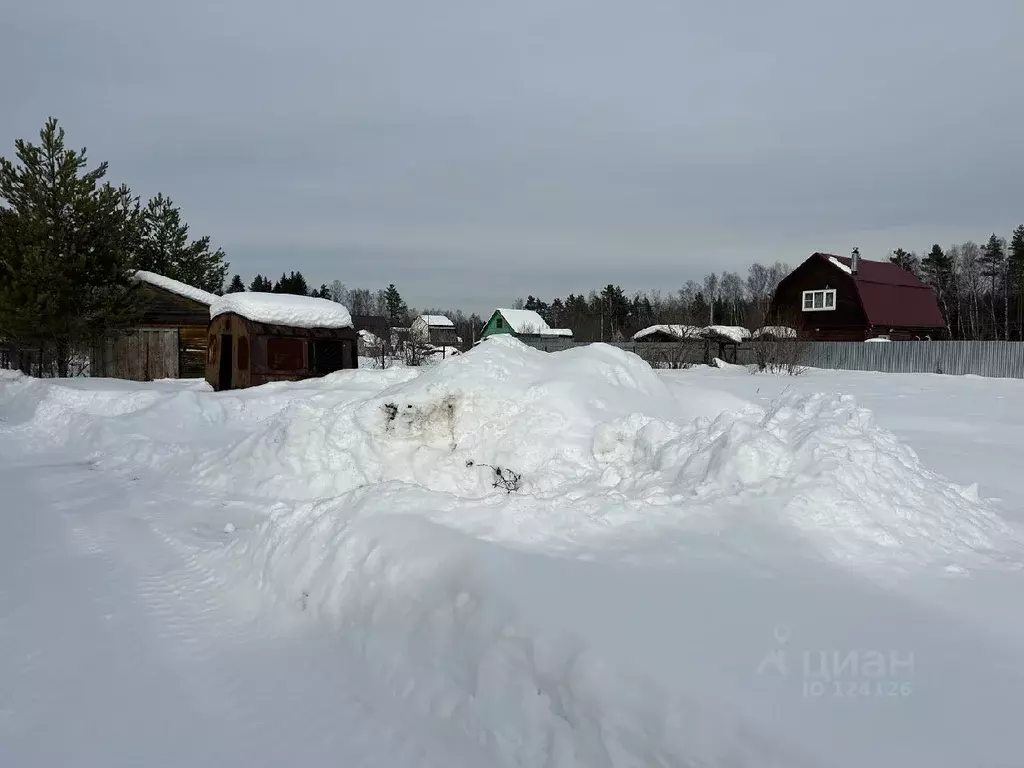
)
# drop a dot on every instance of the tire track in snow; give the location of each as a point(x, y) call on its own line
point(269, 695)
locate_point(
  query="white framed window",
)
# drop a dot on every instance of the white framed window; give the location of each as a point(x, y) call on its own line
point(820, 301)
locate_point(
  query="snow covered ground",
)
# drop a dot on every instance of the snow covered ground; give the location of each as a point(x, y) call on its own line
point(699, 568)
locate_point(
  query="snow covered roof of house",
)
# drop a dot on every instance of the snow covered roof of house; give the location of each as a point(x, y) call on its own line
point(523, 320)
point(678, 331)
point(174, 286)
point(283, 309)
point(437, 321)
point(777, 331)
point(732, 332)
point(557, 332)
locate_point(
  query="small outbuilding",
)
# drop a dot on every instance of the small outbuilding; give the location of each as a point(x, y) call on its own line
point(169, 337)
point(435, 331)
point(523, 324)
point(257, 338)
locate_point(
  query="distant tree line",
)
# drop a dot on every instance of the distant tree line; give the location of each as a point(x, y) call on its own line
point(980, 288)
point(610, 314)
point(69, 244)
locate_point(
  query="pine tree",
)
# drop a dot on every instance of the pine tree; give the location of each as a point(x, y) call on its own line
point(993, 266)
point(66, 241)
point(165, 249)
point(937, 271)
point(237, 286)
point(323, 292)
point(261, 284)
point(396, 308)
point(906, 261)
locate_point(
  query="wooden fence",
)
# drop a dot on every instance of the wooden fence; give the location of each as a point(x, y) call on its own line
point(1004, 359)
point(147, 354)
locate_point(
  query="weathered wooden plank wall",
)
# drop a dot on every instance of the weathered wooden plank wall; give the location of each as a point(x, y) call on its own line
point(1004, 359)
point(147, 354)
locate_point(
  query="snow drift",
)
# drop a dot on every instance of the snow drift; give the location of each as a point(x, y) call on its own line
point(368, 499)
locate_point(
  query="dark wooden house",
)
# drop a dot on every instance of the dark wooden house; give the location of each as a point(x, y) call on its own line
point(257, 338)
point(838, 298)
point(169, 340)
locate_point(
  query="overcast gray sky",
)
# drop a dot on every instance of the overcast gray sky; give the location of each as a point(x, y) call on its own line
point(473, 151)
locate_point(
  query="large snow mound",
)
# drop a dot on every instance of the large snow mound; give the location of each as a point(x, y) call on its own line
point(283, 309)
point(372, 504)
point(586, 429)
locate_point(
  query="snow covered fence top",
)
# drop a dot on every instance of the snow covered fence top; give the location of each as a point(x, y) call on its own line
point(283, 309)
point(174, 286)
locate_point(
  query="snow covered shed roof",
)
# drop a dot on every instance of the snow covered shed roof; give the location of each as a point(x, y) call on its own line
point(174, 286)
point(283, 309)
point(566, 332)
point(680, 332)
point(731, 332)
point(523, 320)
point(889, 294)
point(436, 321)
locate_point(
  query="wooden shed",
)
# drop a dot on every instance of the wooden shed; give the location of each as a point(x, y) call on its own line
point(169, 341)
point(257, 338)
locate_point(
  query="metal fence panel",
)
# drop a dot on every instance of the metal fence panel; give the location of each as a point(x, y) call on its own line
point(1003, 359)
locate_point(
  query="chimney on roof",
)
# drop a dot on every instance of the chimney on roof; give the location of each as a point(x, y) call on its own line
point(854, 260)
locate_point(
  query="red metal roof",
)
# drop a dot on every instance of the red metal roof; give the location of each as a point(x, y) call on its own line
point(892, 296)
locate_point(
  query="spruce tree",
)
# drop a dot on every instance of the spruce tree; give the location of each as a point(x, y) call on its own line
point(66, 241)
point(261, 284)
point(396, 308)
point(237, 286)
point(166, 249)
point(294, 283)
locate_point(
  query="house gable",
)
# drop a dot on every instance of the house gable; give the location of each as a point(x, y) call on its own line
point(845, 321)
point(496, 325)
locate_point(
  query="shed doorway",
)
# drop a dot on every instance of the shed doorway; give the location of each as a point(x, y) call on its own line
point(227, 356)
